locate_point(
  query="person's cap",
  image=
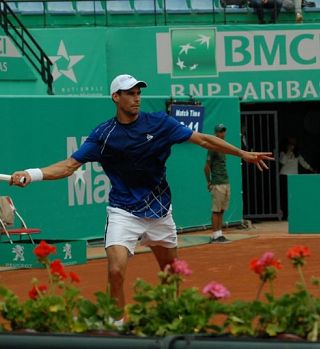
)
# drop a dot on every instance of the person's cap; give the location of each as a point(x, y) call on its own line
point(125, 82)
point(220, 128)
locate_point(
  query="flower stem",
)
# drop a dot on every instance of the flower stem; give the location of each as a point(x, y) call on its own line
point(271, 288)
point(304, 285)
point(260, 289)
point(50, 277)
point(303, 282)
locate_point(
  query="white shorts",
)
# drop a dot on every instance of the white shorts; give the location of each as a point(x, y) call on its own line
point(125, 229)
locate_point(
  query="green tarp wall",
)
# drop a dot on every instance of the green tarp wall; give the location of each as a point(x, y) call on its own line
point(303, 204)
point(38, 131)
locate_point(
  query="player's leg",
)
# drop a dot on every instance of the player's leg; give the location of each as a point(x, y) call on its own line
point(164, 255)
point(117, 266)
point(161, 237)
point(122, 233)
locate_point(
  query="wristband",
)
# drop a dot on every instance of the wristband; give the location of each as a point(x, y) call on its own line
point(35, 174)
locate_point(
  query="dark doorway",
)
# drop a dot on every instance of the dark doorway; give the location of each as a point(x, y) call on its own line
point(288, 119)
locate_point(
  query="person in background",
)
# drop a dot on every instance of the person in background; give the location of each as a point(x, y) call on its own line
point(289, 160)
point(260, 5)
point(298, 11)
point(296, 6)
point(218, 184)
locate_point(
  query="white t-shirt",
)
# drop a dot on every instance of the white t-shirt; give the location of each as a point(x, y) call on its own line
point(290, 163)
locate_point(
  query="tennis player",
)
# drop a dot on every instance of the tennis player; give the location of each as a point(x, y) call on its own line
point(132, 148)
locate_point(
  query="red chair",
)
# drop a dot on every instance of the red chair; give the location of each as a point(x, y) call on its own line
point(8, 223)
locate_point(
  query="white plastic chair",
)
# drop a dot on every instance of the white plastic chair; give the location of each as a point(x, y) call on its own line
point(313, 9)
point(176, 6)
point(60, 7)
point(147, 6)
point(202, 6)
point(12, 5)
point(89, 7)
point(31, 8)
point(119, 7)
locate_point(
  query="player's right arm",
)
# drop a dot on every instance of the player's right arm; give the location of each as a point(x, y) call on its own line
point(217, 144)
point(61, 169)
point(207, 171)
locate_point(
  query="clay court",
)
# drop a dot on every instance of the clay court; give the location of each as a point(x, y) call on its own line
point(225, 263)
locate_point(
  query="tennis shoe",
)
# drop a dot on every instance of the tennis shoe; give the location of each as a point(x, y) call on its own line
point(118, 324)
point(299, 17)
point(220, 240)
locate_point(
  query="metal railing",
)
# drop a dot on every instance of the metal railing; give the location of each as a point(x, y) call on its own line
point(68, 341)
point(261, 190)
point(28, 46)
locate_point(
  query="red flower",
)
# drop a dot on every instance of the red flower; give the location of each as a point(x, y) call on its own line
point(36, 291)
point(43, 250)
point(216, 291)
point(56, 268)
point(265, 266)
point(298, 253)
point(180, 267)
point(74, 277)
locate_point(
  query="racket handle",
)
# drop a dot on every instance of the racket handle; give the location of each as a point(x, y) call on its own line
point(7, 178)
point(22, 180)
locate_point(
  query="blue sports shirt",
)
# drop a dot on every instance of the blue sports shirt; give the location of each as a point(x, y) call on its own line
point(133, 156)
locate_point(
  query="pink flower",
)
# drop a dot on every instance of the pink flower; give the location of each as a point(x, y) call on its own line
point(267, 258)
point(261, 266)
point(180, 266)
point(216, 291)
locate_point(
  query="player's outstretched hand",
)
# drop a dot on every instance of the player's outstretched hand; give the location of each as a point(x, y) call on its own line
point(258, 158)
point(20, 178)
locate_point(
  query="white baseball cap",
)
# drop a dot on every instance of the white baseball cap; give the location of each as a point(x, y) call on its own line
point(125, 82)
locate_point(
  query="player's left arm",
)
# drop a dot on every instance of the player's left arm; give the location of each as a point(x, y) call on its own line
point(217, 144)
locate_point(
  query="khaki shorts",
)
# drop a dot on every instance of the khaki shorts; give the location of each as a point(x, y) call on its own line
point(125, 229)
point(220, 194)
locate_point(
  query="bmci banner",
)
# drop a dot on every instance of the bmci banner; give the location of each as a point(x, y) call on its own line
point(252, 64)
point(276, 63)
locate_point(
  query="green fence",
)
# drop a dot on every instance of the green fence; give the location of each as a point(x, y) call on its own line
point(37, 131)
point(60, 341)
point(303, 204)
